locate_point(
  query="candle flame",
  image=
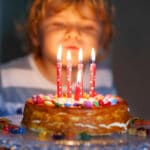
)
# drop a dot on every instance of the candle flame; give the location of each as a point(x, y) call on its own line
point(93, 55)
point(80, 56)
point(59, 53)
point(68, 55)
point(79, 76)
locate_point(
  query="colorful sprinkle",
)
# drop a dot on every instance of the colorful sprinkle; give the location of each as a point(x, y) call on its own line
point(17, 130)
point(88, 104)
point(58, 104)
point(37, 99)
point(85, 102)
point(67, 104)
point(113, 101)
point(107, 103)
point(46, 97)
point(48, 103)
point(58, 136)
point(141, 132)
point(101, 103)
point(84, 136)
point(96, 103)
point(6, 128)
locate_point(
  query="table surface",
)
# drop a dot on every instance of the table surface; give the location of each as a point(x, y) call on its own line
point(31, 140)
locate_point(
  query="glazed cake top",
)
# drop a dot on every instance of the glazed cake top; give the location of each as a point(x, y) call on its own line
point(98, 100)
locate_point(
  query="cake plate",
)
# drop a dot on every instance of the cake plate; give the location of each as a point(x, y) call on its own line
point(34, 141)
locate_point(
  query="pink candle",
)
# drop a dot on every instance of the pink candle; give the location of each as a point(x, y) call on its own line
point(80, 69)
point(92, 74)
point(59, 72)
point(77, 94)
point(69, 72)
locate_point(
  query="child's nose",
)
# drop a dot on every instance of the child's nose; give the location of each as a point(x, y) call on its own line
point(72, 32)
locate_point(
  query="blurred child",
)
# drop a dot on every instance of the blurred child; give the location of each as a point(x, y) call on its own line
point(74, 24)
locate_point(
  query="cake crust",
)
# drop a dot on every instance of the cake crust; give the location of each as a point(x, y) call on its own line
point(95, 121)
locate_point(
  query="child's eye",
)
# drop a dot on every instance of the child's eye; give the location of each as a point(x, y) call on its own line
point(88, 28)
point(58, 25)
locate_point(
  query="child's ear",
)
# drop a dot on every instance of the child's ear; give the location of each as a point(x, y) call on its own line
point(35, 41)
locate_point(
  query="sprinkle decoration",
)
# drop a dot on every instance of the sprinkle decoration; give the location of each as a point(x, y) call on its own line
point(58, 136)
point(67, 104)
point(84, 136)
point(76, 101)
point(8, 127)
point(139, 127)
point(95, 103)
point(88, 104)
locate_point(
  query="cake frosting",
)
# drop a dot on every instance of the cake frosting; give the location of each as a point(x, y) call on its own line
point(97, 115)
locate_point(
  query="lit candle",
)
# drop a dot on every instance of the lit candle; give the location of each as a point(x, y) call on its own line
point(92, 74)
point(80, 69)
point(69, 72)
point(59, 72)
point(77, 88)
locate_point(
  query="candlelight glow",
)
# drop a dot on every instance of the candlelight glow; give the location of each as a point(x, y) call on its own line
point(79, 76)
point(93, 55)
point(79, 86)
point(68, 55)
point(59, 53)
point(80, 56)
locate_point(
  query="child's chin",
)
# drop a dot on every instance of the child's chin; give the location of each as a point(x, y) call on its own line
point(73, 64)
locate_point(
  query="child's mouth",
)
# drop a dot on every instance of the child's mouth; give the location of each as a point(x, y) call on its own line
point(72, 48)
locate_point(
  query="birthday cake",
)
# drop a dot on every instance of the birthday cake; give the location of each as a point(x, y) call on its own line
point(96, 116)
point(91, 113)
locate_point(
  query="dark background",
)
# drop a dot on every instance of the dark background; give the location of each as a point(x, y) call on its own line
point(131, 48)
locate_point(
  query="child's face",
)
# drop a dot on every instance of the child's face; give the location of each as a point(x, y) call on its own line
point(72, 31)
